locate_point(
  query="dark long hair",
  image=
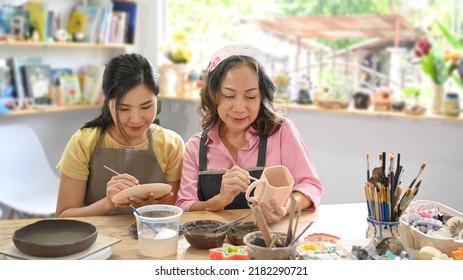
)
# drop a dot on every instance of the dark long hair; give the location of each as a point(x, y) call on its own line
point(270, 116)
point(122, 73)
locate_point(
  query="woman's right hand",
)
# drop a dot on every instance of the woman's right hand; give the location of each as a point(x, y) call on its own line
point(234, 182)
point(117, 184)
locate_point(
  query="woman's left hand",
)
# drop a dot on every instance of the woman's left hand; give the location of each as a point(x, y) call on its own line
point(273, 213)
point(152, 199)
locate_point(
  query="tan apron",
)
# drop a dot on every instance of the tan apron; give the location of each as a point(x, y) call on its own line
point(142, 164)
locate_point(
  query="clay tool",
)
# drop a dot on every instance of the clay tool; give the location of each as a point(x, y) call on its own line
point(232, 222)
point(262, 224)
point(274, 240)
point(289, 233)
point(250, 177)
point(112, 170)
point(139, 214)
point(297, 221)
point(300, 234)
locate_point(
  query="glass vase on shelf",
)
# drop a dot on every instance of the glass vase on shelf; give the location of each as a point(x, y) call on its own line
point(437, 97)
point(167, 80)
point(181, 75)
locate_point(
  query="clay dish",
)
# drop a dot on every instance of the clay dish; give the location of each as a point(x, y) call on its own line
point(237, 232)
point(199, 233)
point(142, 191)
point(55, 237)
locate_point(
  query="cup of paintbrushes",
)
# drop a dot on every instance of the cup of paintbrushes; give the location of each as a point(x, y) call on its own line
point(379, 219)
point(381, 229)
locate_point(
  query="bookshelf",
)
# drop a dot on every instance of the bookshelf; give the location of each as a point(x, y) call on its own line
point(75, 56)
point(46, 110)
point(64, 45)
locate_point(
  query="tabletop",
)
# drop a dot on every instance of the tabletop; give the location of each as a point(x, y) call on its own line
point(347, 221)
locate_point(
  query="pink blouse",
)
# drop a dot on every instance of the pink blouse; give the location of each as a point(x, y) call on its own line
point(284, 147)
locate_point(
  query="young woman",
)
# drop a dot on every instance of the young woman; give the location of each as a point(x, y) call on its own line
point(244, 131)
point(123, 138)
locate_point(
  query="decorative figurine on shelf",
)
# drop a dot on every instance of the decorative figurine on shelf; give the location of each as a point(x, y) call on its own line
point(382, 99)
point(79, 36)
point(361, 99)
point(61, 35)
point(305, 86)
point(451, 105)
point(413, 105)
point(282, 82)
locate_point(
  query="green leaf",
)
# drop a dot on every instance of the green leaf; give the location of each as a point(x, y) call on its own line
point(451, 38)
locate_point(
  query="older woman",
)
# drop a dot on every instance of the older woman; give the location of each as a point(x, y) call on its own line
point(243, 132)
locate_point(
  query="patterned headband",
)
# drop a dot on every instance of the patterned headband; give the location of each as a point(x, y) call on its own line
point(237, 49)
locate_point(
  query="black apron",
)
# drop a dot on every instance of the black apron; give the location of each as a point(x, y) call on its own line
point(209, 182)
point(142, 164)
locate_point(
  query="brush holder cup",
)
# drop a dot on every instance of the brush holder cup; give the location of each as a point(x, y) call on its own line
point(379, 230)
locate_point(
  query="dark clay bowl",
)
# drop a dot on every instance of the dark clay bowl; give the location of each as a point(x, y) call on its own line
point(200, 235)
point(55, 237)
point(237, 232)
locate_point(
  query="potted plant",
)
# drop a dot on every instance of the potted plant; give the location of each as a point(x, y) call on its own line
point(413, 106)
point(436, 64)
point(282, 82)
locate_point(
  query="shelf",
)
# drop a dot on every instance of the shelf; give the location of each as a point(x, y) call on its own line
point(350, 111)
point(44, 110)
point(63, 44)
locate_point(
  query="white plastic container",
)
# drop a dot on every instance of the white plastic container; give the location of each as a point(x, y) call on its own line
point(158, 230)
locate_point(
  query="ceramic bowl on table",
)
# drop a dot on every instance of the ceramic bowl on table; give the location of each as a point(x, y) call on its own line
point(201, 234)
point(237, 232)
point(258, 251)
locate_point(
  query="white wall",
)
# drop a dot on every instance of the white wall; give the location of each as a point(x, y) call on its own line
point(338, 144)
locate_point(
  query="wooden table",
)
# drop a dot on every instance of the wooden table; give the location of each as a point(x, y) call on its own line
point(348, 221)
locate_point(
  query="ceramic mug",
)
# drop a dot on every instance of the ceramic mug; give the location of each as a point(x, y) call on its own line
point(276, 182)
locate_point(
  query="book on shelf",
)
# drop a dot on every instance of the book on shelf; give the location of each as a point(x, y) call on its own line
point(14, 21)
point(131, 9)
point(6, 80)
point(93, 17)
point(38, 16)
point(16, 62)
point(121, 27)
point(70, 89)
point(105, 7)
point(37, 82)
point(56, 73)
point(77, 23)
point(52, 23)
point(93, 77)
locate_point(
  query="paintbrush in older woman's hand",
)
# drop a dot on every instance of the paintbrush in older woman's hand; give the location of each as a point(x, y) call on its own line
point(249, 176)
